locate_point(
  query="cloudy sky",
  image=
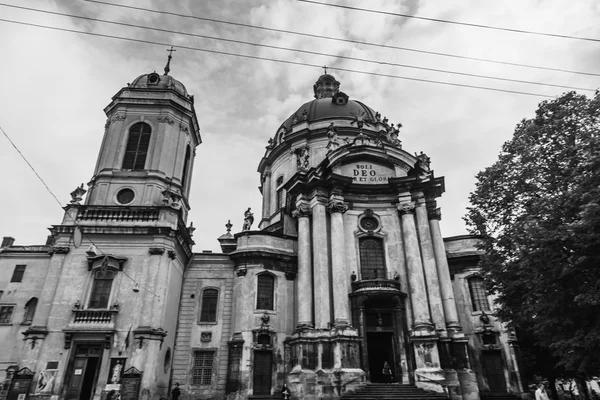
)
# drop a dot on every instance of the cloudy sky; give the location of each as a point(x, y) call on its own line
point(55, 85)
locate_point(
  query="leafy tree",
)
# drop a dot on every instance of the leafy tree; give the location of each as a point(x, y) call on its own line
point(538, 209)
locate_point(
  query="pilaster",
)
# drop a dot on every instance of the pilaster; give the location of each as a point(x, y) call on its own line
point(322, 276)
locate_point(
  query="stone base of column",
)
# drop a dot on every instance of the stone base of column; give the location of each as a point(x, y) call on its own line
point(327, 363)
point(304, 326)
point(323, 384)
point(453, 384)
point(428, 374)
point(422, 329)
point(468, 384)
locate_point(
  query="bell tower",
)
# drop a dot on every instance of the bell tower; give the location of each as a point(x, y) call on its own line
point(147, 153)
point(119, 257)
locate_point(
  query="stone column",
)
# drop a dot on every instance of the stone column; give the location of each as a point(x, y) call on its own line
point(416, 280)
point(304, 282)
point(341, 310)
point(450, 311)
point(429, 265)
point(322, 282)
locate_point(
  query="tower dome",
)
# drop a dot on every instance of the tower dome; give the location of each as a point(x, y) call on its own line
point(156, 81)
point(329, 103)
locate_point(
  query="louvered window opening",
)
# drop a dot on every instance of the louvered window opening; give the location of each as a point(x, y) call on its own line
point(264, 298)
point(372, 260)
point(478, 295)
point(202, 371)
point(137, 146)
point(210, 298)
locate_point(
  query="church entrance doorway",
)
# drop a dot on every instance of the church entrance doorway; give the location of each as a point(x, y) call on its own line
point(380, 349)
point(494, 371)
point(263, 365)
point(83, 371)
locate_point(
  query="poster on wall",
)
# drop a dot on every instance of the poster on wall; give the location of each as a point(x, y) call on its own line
point(45, 382)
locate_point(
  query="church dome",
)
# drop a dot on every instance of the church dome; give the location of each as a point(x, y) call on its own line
point(329, 103)
point(156, 81)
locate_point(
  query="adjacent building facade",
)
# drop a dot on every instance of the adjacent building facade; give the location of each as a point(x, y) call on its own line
point(346, 270)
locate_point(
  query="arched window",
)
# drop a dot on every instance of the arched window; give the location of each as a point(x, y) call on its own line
point(101, 287)
point(30, 307)
point(265, 292)
point(372, 259)
point(137, 146)
point(208, 312)
point(478, 294)
point(186, 163)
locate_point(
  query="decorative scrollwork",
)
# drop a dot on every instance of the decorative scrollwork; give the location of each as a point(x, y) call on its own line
point(302, 211)
point(406, 207)
point(334, 206)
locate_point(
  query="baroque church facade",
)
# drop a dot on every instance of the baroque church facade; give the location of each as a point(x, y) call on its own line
point(346, 271)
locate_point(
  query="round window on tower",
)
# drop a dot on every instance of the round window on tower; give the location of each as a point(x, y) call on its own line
point(153, 78)
point(125, 196)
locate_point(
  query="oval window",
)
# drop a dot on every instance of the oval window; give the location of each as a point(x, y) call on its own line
point(125, 196)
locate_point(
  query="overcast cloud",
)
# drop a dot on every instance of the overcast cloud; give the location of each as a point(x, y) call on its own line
point(56, 84)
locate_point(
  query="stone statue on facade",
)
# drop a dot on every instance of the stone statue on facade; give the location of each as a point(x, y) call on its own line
point(248, 220)
point(424, 161)
point(116, 373)
point(76, 195)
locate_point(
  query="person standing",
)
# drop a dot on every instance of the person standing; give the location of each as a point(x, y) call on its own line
point(540, 393)
point(387, 373)
point(176, 392)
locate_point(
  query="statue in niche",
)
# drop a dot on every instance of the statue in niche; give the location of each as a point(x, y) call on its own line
point(332, 133)
point(302, 158)
point(248, 220)
point(116, 373)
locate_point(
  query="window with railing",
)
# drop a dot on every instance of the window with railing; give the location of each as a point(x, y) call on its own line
point(100, 295)
point(372, 258)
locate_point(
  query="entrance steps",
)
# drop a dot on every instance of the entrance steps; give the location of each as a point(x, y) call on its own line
point(498, 396)
point(382, 391)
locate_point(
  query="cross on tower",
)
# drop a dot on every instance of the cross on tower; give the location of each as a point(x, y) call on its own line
point(325, 68)
point(167, 68)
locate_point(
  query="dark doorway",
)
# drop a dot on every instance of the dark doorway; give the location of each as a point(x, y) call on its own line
point(84, 372)
point(263, 366)
point(493, 370)
point(380, 350)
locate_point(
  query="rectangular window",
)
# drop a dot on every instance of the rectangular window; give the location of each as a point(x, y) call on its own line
point(101, 289)
point(18, 273)
point(266, 288)
point(309, 355)
point(478, 295)
point(208, 313)
point(280, 198)
point(6, 314)
point(202, 370)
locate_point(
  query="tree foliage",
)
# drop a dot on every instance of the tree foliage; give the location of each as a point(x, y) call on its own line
point(538, 209)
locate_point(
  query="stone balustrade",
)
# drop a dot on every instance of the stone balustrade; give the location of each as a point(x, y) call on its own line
point(376, 285)
point(120, 214)
point(94, 316)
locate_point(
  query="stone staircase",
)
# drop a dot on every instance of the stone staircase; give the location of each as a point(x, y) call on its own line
point(498, 396)
point(382, 391)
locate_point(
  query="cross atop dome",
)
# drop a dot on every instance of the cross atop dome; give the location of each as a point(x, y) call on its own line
point(167, 67)
point(326, 86)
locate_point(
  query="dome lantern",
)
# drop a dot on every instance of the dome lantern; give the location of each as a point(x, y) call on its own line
point(326, 86)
